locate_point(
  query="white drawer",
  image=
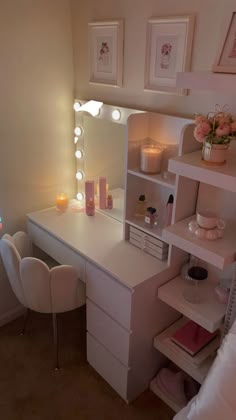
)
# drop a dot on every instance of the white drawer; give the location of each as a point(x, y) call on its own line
point(57, 249)
point(107, 366)
point(142, 236)
point(114, 337)
point(109, 294)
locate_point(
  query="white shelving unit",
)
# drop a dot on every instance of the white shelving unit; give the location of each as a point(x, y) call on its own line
point(196, 366)
point(209, 313)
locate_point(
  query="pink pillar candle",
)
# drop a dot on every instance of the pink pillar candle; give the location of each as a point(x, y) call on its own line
point(151, 157)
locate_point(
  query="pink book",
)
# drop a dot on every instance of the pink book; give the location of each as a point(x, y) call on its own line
point(192, 337)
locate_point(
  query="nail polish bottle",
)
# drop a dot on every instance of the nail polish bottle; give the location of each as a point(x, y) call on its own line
point(90, 208)
point(109, 202)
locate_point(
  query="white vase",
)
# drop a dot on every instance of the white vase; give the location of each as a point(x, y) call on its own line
point(214, 154)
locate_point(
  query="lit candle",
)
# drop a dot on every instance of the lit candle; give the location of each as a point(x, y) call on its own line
point(62, 202)
point(151, 159)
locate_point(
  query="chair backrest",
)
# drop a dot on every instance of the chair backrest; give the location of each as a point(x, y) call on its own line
point(11, 261)
point(22, 243)
point(50, 291)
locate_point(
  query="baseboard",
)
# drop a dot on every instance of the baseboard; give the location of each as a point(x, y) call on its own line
point(11, 315)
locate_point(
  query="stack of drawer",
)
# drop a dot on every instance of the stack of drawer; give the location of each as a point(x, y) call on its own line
point(148, 243)
point(108, 328)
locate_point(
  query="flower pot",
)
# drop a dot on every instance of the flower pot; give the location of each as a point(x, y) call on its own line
point(214, 154)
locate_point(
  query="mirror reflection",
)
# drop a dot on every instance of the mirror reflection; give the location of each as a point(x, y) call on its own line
point(104, 148)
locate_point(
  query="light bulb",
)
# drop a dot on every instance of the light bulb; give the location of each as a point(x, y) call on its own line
point(76, 139)
point(80, 196)
point(78, 131)
point(96, 112)
point(116, 114)
point(76, 106)
point(79, 175)
point(79, 154)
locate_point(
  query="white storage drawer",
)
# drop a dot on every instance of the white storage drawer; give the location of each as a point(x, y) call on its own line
point(114, 337)
point(109, 294)
point(107, 366)
point(148, 243)
point(57, 249)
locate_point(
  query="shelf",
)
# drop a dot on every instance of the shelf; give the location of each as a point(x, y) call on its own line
point(219, 253)
point(206, 80)
point(196, 366)
point(165, 397)
point(158, 179)
point(192, 166)
point(209, 314)
point(156, 231)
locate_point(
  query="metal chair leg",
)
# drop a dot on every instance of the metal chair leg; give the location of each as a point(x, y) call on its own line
point(55, 337)
point(26, 318)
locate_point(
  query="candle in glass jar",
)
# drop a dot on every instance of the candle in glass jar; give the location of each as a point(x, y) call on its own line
point(151, 159)
point(62, 202)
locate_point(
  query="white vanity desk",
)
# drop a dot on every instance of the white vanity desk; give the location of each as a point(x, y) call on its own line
point(123, 312)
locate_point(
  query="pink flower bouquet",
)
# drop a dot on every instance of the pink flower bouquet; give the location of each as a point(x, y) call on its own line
point(220, 128)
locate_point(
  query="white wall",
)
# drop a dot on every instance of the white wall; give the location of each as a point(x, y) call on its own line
point(210, 20)
point(36, 118)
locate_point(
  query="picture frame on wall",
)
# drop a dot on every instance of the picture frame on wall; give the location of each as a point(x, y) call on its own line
point(168, 51)
point(226, 57)
point(106, 52)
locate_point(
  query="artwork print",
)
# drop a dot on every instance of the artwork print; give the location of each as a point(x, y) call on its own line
point(166, 50)
point(226, 57)
point(104, 54)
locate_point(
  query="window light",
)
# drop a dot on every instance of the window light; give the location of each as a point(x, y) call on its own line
point(79, 175)
point(77, 106)
point(78, 131)
point(116, 114)
point(79, 154)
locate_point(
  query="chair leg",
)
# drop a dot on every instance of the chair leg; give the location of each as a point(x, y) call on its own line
point(26, 318)
point(55, 337)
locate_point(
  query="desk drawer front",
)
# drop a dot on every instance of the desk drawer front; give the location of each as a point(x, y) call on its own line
point(114, 337)
point(57, 249)
point(107, 366)
point(109, 294)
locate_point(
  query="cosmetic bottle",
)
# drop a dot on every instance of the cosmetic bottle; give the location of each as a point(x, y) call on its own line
point(102, 192)
point(169, 208)
point(109, 202)
point(89, 192)
point(90, 207)
point(151, 217)
point(140, 208)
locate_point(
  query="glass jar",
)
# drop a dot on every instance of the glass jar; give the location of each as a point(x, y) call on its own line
point(193, 291)
point(150, 158)
point(151, 217)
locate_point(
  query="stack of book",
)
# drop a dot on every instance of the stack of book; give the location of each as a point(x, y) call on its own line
point(191, 337)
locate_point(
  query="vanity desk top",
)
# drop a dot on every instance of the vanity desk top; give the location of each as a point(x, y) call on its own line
point(98, 239)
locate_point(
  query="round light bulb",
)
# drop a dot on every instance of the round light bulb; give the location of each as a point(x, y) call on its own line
point(80, 196)
point(79, 175)
point(79, 154)
point(76, 106)
point(116, 114)
point(78, 131)
point(76, 139)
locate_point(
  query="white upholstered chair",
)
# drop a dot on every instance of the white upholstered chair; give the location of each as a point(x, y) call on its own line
point(37, 287)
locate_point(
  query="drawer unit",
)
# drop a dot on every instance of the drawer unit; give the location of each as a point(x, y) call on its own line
point(109, 294)
point(57, 249)
point(107, 366)
point(148, 243)
point(114, 337)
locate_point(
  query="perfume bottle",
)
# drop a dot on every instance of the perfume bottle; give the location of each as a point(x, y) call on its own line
point(109, 202)
point(151, 217)
point(90, 207)
point(169, 208)
point(140, 208)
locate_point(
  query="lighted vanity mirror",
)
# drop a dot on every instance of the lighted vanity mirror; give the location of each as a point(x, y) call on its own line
point(104, 155)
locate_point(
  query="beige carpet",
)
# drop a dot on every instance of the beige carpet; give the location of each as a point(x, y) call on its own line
point(31, 390)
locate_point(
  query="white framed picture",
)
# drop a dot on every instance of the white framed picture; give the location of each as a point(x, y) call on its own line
point(226, 56)
point(168, 51)
point(106, 52)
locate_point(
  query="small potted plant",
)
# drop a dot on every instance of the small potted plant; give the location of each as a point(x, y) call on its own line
point(215, 131)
